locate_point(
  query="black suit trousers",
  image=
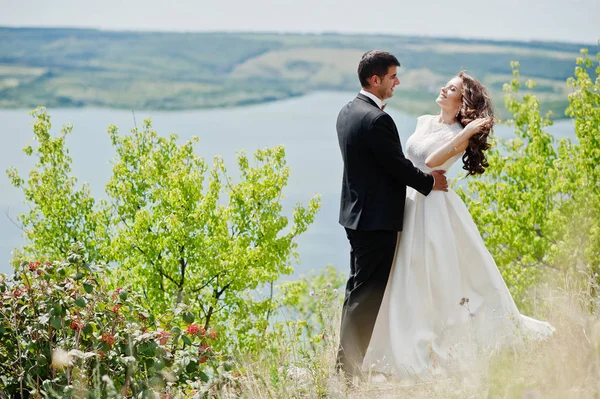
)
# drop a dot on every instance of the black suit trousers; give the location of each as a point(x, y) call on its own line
point(371, 257)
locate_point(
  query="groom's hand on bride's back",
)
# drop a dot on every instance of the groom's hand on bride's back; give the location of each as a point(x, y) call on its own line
point(441, 183)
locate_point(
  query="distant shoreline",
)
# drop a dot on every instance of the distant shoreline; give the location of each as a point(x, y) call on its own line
point(166, 109)
point(392, 104)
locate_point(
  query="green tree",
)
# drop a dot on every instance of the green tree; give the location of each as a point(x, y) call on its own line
point(179, 231)
point(61, 213)
point(580, 171)
point(186, 232)
point(537, 204)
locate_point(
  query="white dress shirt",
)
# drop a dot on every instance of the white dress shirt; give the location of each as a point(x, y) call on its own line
point(373, 97)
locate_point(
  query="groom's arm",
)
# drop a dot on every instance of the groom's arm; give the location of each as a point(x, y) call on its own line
point(387, 151)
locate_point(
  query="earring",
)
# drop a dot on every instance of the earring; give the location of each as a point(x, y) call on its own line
point(458, 113)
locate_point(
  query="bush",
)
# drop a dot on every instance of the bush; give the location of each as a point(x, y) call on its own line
point(65, 333)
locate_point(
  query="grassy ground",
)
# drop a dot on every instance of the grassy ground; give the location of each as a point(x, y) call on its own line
point(567, 365)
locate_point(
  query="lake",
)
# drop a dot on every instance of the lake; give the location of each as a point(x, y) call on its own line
point(304, 125)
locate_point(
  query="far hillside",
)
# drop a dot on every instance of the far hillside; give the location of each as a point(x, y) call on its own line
point(174, 71)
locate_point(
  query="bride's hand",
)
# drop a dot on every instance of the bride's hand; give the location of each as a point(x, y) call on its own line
point(475, 125)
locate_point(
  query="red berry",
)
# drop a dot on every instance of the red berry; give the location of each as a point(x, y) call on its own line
point(109, 339)
point(193, 329)
point(164, 336)
point(76, 325)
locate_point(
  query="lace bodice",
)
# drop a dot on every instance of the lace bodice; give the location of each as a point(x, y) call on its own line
point(430, 135)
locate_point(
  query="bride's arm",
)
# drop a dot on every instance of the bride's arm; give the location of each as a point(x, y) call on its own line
point(457, 145)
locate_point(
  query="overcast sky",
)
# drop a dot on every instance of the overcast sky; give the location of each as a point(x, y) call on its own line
point(555, 20)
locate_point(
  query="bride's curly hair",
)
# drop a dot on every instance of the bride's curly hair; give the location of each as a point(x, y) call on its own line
point(476, 103)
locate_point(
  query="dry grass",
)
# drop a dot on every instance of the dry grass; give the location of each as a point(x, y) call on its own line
point(565, 366)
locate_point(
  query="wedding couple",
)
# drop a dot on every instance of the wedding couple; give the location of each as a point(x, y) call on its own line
point(417, 301)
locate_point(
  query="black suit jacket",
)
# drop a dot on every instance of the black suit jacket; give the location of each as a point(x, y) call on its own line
point(376, 172)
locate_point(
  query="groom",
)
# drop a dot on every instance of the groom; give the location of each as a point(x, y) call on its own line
point(376, 174)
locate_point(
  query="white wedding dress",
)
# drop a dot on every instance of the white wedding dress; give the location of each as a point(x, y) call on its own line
point(422, 328)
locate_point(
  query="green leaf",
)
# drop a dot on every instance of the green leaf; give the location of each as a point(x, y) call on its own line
point(159, 364)
point(88, 329)
point(88, 288)
point(175, 330)
point(188, 317)
point(80, 301)
point(204, 377)
point(55, 322)
point(57, 309)
point(191, 367)
point(41, 360)
point(149, 362)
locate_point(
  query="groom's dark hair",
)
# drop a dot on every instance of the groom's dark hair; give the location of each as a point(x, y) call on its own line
point(375, 62)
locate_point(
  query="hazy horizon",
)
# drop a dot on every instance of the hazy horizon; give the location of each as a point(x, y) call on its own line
point(535, 20)
point(142, 30)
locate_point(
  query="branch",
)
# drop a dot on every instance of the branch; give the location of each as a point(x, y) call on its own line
point(540, 261)
point(538, 231)
point(156, 266)
point(13, 222)
point(270, 300)
point(211, 310)
point(183, 266)
point(206, 284)
point(219, 293)
point(162, 273)
point(134, 122)
point(181, 280)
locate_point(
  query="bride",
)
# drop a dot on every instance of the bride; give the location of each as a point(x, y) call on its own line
point(445, 298)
